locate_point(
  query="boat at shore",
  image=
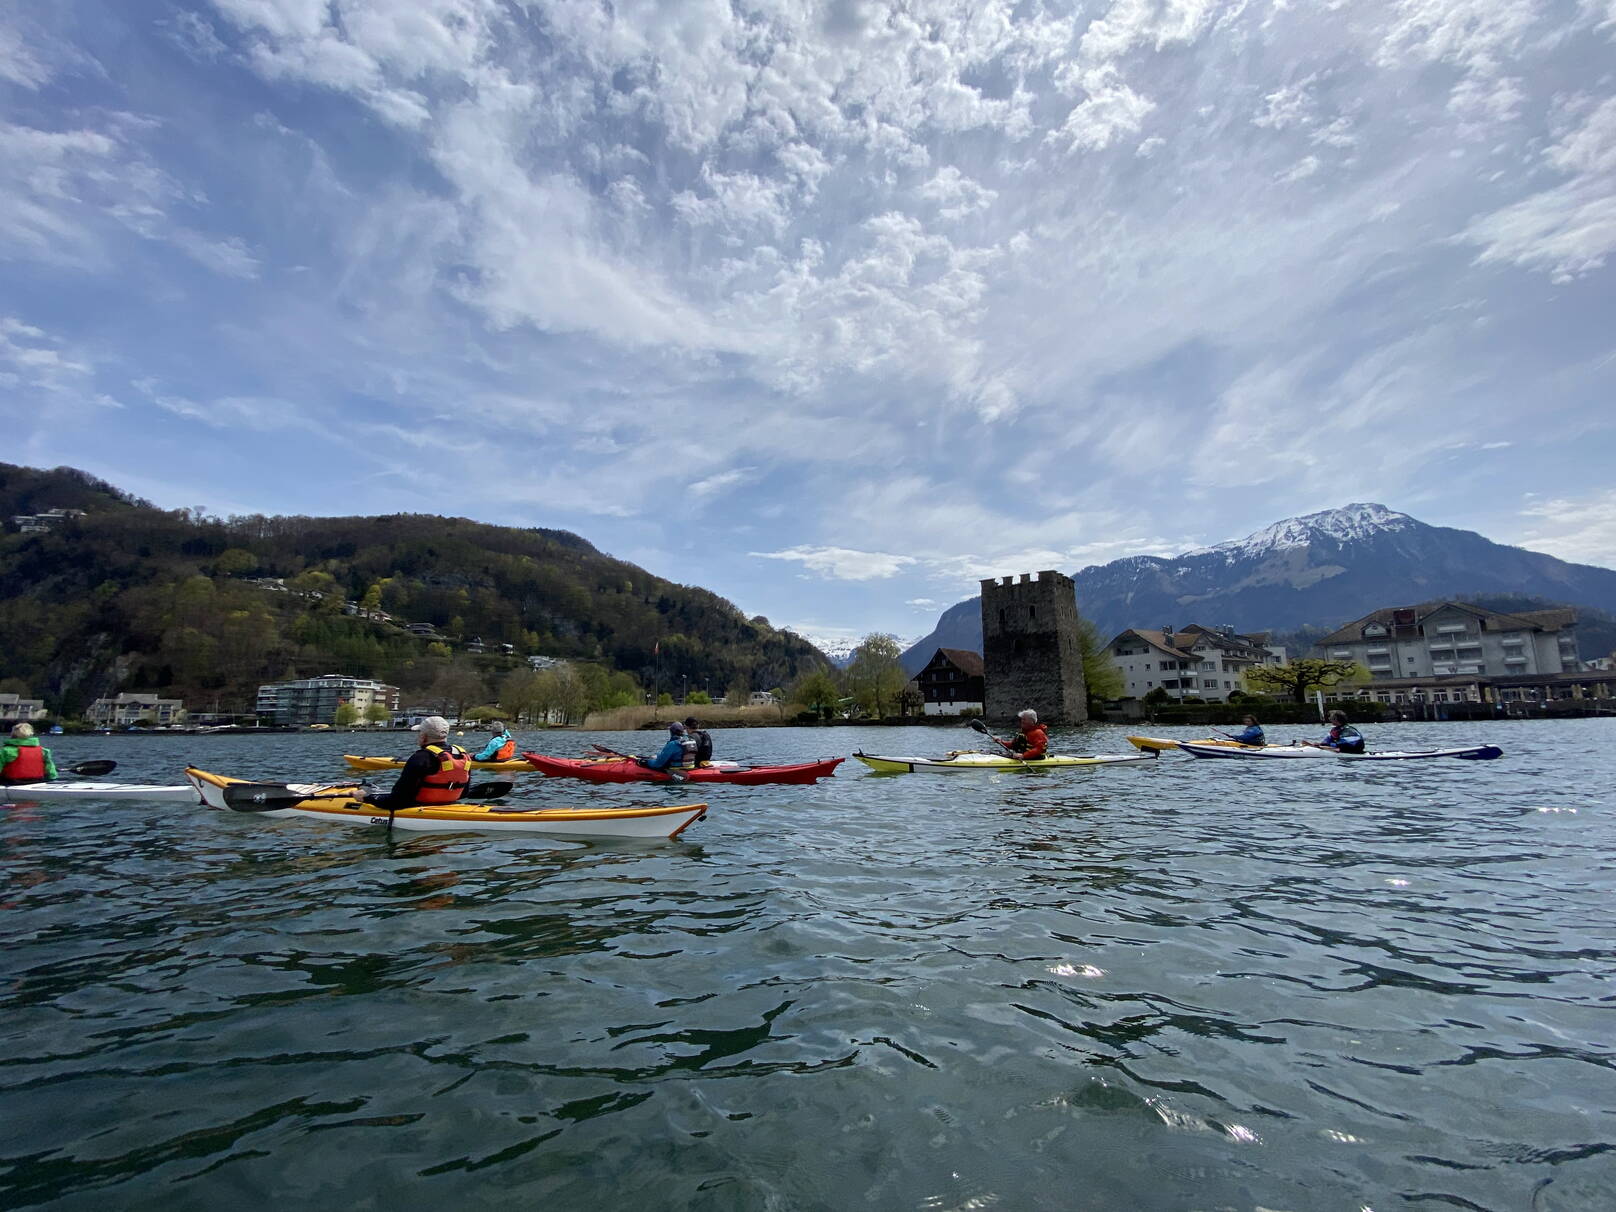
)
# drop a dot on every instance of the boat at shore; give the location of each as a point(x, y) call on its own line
point(627, 770)
point(344, 805)
point(994, 761)
point(1474, 753)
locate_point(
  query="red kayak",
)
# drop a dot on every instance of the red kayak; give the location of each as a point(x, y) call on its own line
point(625, 770)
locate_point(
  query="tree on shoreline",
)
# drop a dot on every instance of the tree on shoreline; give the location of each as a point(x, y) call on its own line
point(1295, 679)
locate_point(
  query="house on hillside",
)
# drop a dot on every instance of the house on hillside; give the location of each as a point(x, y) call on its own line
point(1203, 662)
point(1443, 639)
point(17, 710)
point(129, 709)
point(952, 682)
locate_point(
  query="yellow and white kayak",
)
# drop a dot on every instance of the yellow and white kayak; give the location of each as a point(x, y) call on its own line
point(513, 766)
point(993, 761)
point(343, 804)
point(1156, 744)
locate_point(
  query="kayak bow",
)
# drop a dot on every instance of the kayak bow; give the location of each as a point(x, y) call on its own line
point(60, 790)
point(1475, 753)
point(625, 770)
point(993, 761)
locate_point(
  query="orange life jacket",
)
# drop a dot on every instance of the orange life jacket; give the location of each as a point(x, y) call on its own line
point(505, 752)
point(27, 767)
point(448, 782)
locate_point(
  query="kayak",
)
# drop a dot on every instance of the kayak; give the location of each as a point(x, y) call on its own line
point(59, 790)
point(626, 770)
point(1475, 753)
point(511, 766)
point(1156, 744)
point(994, 761)
point(344, 805)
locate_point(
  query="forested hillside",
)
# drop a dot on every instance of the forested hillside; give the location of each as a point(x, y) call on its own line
point(130, 597)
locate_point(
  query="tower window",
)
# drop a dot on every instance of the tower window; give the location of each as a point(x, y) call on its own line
point(1032, 613)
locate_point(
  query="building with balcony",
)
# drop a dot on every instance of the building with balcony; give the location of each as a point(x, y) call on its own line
point(17, 710)
point(952, 683)
point(1193, 662)
point(315, 700)
point(1455, 639)
point(147, 710)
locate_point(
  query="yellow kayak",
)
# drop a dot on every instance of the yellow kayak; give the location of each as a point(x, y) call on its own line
point(513, 766)
point(1154, 744)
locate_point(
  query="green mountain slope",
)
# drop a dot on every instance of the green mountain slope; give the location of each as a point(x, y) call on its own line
point(135, 598)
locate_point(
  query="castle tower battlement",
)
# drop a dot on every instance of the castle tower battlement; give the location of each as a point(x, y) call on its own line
point(1030, 650)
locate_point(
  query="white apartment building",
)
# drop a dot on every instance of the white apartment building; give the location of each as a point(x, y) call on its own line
point(315, 700)
point(1195, 661)
point(1440, 639)
point(129, 709)
point(17, 710)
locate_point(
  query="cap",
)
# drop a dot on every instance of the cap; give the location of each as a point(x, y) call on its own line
point(433, 725)
point(496, 725)
point(677, 729)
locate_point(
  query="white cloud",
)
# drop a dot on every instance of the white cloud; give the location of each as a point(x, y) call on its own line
point(38, 369)
point(718, 482)
point(842, 563)
point(1579, 529)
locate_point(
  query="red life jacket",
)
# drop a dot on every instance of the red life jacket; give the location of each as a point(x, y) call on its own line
point(27, 767)
point(1037, 742)
point(505, 752)
point(448, 782)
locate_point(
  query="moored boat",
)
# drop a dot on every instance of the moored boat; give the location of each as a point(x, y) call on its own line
point(367, 764)
point(627, 770)
point(65, 790)
point(343, 804)
point(994, 761)
point(1475, 753)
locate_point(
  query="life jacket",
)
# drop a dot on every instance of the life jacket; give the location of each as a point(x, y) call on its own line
point(27, 767)
point(704, 746)
point(687, 753)
point(1032, 744)
point(506, 751)
point(448, 782)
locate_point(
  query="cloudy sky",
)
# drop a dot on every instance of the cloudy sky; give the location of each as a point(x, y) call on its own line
point(831, 306)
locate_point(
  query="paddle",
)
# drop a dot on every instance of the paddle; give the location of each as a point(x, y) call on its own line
point(271, 797)
point(91, 770)
point(978, 726)
point(673, 775)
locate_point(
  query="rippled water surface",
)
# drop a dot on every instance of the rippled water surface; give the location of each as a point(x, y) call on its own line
point(1182, 985)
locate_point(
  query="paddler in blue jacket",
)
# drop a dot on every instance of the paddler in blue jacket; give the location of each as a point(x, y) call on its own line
point(1342, 737)
point(1251, 734)
point(678, 754)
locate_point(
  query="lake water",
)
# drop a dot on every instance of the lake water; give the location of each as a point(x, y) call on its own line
point(1182, 985)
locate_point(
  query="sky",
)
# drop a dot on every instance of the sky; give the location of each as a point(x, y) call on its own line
point(831, 307)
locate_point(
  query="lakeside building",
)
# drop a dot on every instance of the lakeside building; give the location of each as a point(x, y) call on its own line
point(761, 698)
point(1444, 639)
point(951, 683)
point(1031, 654)
point(315, 700)
point(17, 710)
point(1194, 661)
point(129, 709)
point(1507, 691)
point(34, 523)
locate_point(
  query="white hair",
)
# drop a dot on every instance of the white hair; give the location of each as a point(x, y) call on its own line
point(23, 730)
point(1028, 714)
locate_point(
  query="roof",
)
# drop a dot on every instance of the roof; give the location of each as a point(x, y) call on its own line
point(1497, 620)
point(1182, 643)
point(966, 661)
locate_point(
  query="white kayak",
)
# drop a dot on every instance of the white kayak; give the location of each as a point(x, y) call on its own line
point(1475, 753)
point(61, 789)
point(342, 803)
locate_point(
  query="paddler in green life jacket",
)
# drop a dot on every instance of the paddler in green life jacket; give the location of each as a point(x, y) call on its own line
point(23, 759)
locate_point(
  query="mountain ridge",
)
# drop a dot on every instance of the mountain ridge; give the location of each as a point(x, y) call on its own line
point(1319, 569)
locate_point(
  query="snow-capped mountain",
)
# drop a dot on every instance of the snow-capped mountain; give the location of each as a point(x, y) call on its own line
point(1321, 569)
point(1342, 525)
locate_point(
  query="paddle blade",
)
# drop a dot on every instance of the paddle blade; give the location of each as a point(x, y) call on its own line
point(261, 797)
point(489, 791)
point(92, 770)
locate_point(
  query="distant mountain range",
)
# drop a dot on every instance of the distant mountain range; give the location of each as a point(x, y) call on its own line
point(1315, 571)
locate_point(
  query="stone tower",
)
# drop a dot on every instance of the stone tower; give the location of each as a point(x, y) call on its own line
point(1030, 650)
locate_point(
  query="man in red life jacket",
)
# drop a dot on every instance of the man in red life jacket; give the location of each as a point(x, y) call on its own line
point(1033, 741)
point(437, 772)
point(23, 759)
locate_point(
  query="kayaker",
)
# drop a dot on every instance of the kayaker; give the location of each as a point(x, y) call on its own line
point(678, 754)
point(1033, 740)
point(436, 773)
point(1342, 737)
point(501, 746)
point(23, 759)
point(1251, 734)
point(703, 739)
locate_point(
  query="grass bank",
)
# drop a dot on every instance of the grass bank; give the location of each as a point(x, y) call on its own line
point(626, 719)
